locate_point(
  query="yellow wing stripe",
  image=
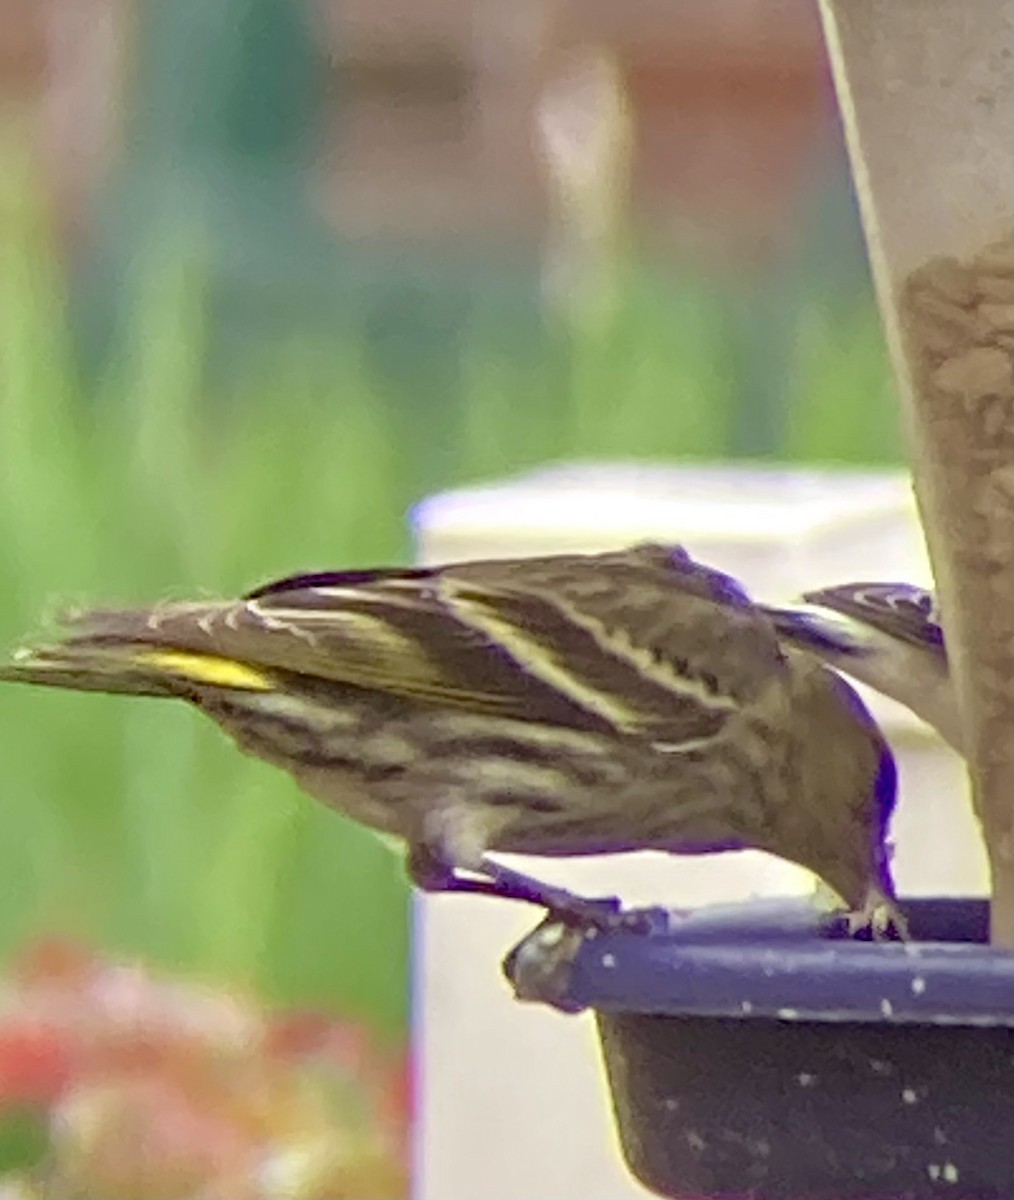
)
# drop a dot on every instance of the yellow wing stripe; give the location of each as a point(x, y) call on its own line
point(208, 668)
point(475, 609)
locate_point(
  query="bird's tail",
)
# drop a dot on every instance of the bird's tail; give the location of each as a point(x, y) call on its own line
point(101, 651)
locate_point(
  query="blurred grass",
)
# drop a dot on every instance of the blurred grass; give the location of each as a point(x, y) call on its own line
point(138, 825)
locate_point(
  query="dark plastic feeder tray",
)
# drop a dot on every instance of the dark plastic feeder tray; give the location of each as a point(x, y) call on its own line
point(754, 1051)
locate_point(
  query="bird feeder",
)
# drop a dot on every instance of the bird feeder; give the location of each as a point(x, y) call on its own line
point(752, 1051)
point(925, 88)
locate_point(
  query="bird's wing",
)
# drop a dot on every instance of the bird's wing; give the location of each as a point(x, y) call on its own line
point(658, 644)
point(900, 610)
point(641, 642)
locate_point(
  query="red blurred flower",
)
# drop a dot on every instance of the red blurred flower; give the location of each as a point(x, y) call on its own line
point(157, 1088)
point(36, 1064)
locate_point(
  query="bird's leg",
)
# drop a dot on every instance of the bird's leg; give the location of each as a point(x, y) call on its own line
point(567, 907)
point(429, 870)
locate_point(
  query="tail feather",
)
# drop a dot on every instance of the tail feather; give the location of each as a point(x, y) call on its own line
point(99, 654)
point(170, 624)
point(84, 669)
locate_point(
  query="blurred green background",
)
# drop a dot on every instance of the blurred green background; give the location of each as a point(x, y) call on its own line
point(214, 387)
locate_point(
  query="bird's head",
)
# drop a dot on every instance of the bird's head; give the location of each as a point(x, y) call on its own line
point(846, 782)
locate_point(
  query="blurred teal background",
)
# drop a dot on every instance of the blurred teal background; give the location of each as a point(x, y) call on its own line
point(207, 383)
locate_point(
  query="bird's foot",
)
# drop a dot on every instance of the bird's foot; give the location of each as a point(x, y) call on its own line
point(593, 915)
point(880, 919)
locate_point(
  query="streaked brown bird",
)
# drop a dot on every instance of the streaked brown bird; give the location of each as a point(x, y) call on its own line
point(887, 635)
point(557, 706)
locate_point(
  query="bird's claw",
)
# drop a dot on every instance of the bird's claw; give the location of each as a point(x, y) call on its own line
point(880, 918)
point(601, 915)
